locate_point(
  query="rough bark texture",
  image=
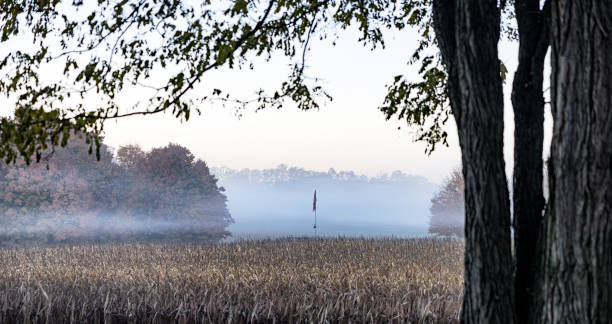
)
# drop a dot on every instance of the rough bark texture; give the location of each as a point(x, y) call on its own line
point(528, 103)
point(578, 260)
point(468, 32)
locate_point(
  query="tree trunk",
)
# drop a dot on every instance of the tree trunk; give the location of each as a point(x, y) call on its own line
point(528, 103)
point(578, 260)
point(468, 32)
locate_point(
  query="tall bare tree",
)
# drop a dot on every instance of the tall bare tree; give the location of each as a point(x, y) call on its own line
point(468, 32)
point(577, 270)
point(528, 103)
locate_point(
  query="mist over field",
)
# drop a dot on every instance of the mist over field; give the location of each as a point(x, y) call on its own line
point(278, 202)
point(167, 193)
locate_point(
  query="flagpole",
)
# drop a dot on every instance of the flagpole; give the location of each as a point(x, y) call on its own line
point(314, 209)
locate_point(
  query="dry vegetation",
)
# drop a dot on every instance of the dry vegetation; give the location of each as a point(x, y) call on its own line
point(290, 280)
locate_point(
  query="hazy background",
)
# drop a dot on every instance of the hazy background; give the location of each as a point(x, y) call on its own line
point(348, 133)
point(278, 202)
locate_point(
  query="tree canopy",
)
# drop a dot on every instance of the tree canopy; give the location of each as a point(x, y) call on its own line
point(447, 206)
point(97, 52)
point(165, 193)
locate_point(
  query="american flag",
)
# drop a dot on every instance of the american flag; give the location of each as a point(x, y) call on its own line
point(314, 202)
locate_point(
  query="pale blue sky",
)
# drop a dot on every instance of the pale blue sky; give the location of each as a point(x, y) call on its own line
point(349, 133)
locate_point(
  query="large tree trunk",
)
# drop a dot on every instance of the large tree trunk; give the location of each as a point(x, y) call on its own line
point(468, 32)
point(578, 259)
point(528, 102)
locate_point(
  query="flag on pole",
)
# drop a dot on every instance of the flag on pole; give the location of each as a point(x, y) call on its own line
point(314, 202)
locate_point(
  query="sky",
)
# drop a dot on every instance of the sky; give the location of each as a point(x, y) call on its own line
point(348, 133)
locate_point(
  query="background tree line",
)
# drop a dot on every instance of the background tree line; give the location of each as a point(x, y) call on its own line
point(448, 206)
point(447, 211)
point(162, 194)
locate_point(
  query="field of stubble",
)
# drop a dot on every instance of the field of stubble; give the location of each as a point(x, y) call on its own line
point(288, 280)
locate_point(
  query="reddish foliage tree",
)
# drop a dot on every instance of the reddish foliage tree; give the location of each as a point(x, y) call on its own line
point(447, 207)
point(165, 193)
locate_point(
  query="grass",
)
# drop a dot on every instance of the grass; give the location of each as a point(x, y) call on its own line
point(287, 280)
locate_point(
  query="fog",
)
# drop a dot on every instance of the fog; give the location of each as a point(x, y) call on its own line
point(86, 225)
point(75, 198)
point(278, 202)
point(165, 193)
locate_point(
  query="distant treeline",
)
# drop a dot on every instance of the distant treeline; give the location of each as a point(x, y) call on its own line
point(286, 174)
point(278, 201)
point(162, 194)
point(447, 207)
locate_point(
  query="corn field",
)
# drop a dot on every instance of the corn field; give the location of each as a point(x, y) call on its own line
point(338, 280)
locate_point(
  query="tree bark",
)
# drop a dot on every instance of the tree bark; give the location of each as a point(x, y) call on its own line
point(468, 32)
point(578, 251)
point(528, 103)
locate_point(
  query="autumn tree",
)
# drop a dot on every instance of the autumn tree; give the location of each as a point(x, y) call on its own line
point(129, 155)
point(53, 200)
point(176, 194)
point(164, 194)
point(447, 207)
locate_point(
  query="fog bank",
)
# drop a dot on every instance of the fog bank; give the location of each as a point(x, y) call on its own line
point(278, 202)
